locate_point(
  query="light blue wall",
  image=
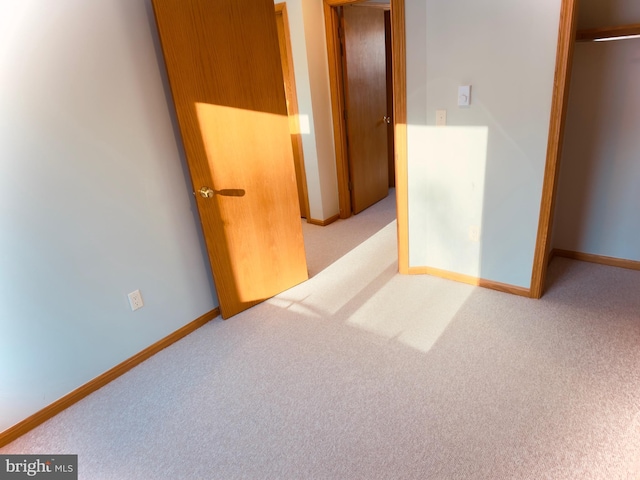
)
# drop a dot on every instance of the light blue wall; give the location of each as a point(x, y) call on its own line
point(95, 200)
point(482, 172)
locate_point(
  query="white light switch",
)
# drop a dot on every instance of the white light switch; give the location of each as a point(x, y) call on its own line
point(441, 118)
point(464, 95)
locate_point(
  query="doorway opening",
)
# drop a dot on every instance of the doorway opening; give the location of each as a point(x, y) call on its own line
point(395, 109)
point(364, 81)
point(360, 69)
point(385, 213)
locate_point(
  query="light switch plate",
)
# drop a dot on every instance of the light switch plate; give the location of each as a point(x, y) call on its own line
point(441, 118)
point(464, 95)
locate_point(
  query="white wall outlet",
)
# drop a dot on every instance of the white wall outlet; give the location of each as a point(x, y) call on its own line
point(441, 118)
point(135, 300)
point(474, 233)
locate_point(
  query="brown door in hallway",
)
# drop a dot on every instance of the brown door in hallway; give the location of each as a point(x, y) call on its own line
point(223, 64)
point(365, 72)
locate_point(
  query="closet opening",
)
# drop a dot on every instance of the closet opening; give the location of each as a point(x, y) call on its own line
point(590, 192)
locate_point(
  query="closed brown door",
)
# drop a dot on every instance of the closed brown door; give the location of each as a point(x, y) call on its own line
point(223, 64)
point(366, 104)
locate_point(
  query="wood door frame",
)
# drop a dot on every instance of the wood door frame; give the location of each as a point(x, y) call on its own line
point(398, 40)
point(294, 112)
point(561, 83)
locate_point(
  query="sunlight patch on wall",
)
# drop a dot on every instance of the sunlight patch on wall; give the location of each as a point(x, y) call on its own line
point(305, 125)
point(446, 192)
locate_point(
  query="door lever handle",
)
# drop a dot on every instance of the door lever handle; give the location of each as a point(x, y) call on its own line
point(231, 192)
point(208, 192)
point(386, 119)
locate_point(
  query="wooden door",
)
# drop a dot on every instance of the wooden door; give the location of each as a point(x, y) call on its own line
point(366, 104)
point(223, 64)
point(286, 61)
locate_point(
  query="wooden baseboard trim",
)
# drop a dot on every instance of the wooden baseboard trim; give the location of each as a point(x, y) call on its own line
point(446, 274)
point(100, 381)
point(323, 223)
point(505, 287)
point(601, 259)
point(480, 282)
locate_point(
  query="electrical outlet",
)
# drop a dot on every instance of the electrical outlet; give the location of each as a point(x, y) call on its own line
point(441, 118)
point(474, 233)
point(135, 300)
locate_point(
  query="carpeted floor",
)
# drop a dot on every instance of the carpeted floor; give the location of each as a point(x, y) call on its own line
point(361, 373)
point(325, 245)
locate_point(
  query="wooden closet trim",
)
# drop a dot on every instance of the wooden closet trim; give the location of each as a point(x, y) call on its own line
point(562, 80)
point(589, 35)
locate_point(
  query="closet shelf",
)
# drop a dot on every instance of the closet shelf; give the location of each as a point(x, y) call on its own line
point(594, 34)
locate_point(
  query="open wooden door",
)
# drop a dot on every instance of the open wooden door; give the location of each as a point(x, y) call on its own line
point(365, 76)
point(223, 63)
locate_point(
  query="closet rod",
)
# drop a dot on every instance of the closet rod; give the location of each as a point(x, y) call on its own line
point(599, 34)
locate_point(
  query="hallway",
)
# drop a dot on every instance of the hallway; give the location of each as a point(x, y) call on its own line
point(325, 245)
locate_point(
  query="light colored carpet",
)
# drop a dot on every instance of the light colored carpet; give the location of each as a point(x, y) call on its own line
point(325, 245)
point(361, 373)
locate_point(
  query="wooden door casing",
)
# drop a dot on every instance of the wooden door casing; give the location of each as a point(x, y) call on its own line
point(284, 41)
